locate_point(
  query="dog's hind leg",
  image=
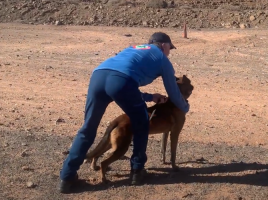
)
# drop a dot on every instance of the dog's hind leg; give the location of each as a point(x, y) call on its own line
point(164, 146)
point(115, 155)
point(94, 160)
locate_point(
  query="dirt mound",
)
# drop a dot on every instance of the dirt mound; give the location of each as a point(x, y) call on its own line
point(150, 13)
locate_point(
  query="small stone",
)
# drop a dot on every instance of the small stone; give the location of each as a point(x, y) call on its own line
point(252, 18)
point(60, 120)
point(26, 168)
point(23, 144)
point(189, 165)
point(242, 26)
point(58, 23)
point(128, 35)
point(145, 23)
point(253, 115)
point(30, 184)
point(23, 154)
point(6, 144)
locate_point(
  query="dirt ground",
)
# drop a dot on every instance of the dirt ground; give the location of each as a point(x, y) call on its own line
point(223, 148)
point(138, 13)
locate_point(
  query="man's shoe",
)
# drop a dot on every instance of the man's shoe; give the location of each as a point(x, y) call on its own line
point(66, 186)
point(137, 176)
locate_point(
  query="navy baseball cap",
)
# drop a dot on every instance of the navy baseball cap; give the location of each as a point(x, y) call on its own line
point(161, 38)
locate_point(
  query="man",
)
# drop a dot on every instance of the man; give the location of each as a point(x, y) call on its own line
point(118, 79)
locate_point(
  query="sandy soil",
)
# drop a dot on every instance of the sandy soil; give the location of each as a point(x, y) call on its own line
point(223, 148)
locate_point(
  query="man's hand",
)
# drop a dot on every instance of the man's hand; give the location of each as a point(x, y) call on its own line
point(158, 98)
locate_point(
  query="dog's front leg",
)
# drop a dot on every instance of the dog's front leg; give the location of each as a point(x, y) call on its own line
point(174, 136)
point(164, 146)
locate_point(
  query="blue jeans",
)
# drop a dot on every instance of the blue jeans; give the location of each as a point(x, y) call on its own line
point(106, 86)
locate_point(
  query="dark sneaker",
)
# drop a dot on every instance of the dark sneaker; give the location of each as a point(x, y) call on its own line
point(66, 186)
point(137, 176)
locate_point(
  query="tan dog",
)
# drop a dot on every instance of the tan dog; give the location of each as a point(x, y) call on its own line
point(167, 118)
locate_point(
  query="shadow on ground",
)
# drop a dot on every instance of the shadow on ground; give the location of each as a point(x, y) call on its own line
point(254, 174)
point(43, 155)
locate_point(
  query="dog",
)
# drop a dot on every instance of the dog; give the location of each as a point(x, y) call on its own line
point(165, 118)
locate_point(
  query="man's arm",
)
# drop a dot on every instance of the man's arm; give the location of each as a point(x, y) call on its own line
point(173, 91)
point(147, 97)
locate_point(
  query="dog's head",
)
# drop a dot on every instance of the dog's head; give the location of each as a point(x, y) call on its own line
point(185, 86)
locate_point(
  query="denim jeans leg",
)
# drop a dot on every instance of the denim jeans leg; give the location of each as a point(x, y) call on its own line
point(96, 104)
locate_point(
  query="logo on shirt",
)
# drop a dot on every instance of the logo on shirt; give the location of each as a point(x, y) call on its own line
point(141, 47)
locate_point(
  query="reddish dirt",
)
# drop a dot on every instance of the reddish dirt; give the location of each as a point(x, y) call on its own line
point(223, 148)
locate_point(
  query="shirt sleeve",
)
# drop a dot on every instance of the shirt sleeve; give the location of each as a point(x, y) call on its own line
point(147, 97)
point(170, 84)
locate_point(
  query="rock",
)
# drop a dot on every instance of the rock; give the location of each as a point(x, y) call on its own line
point(189, 165)
point(60, 120)
point(30, 184)
point(242, 26)
point(128, 35)
point(115, 3)
point(85, 23)
point(23, 144)
point(156, 4)
point(145, 23)
point(252, 18)
point(26, 168)
point(58, 23)
point(23, 154)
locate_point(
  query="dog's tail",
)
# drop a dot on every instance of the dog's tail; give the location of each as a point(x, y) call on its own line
point(104, 144)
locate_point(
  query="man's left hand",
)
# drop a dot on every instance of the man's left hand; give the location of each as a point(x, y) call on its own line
point(159, 98)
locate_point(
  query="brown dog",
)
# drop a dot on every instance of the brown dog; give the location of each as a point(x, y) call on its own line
point(167, 118)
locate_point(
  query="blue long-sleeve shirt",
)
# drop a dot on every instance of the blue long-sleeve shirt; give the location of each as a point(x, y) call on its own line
point(145, 63)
